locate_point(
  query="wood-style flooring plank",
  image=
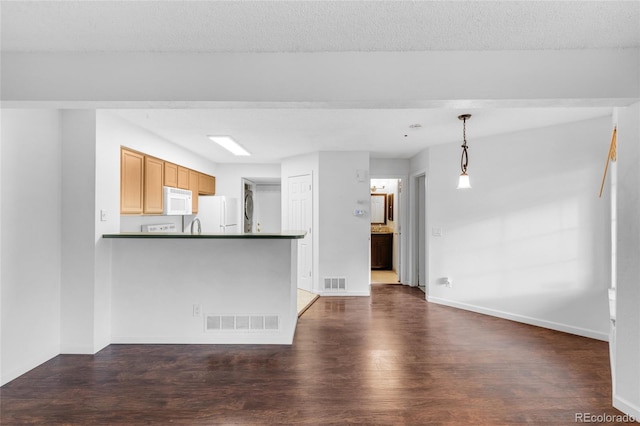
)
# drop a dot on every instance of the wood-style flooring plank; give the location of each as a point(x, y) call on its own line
point(388, 359)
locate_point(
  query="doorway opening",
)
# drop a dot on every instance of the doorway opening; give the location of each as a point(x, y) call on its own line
point(386, 235)
point(261, 205)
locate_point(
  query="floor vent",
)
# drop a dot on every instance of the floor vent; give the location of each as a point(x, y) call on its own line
point(224, 322)
point(335, 284)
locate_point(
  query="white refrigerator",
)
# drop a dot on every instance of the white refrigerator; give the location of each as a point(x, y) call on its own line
point(218, 214)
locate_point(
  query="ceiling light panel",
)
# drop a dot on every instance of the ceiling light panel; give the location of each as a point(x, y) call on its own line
point(230, 145)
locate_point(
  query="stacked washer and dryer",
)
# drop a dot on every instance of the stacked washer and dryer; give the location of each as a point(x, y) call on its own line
point(247, 218)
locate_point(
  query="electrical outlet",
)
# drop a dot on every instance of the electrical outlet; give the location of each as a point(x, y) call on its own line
point(448, 283)
point(103, 215)
point(197, 310)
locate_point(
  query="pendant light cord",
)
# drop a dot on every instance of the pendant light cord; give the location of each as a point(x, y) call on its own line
point(464, 160)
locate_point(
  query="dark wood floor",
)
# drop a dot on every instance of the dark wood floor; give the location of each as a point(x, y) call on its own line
point(389, 359)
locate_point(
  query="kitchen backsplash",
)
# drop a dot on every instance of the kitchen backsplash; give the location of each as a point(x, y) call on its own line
point(134, 223)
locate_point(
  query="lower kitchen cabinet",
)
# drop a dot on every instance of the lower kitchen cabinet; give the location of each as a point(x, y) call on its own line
point(382, 251)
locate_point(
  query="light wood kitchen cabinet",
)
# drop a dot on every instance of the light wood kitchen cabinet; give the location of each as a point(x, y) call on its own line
point(170, 174)
point(183, 178)
point(153, 182)
point(131, 181)
point(193, 186)
point(382, 251)
point(142, 178)
point(206, 184)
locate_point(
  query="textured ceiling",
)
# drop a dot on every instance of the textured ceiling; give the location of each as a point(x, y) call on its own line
point(323, 26)
point(317, 26)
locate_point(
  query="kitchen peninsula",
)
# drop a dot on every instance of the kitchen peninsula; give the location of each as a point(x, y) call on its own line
point(204, 288)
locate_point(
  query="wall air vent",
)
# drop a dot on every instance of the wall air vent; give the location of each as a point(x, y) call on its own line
point(335, 284)
point(243, 322)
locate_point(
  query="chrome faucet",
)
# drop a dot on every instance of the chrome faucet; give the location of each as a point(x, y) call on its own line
point(193, 222)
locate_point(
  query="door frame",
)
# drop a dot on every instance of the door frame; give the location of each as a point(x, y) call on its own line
point(403, 225)
point(415, 256)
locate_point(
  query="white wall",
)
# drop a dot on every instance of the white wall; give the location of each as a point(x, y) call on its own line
point(229, 177)
point(626, 392)
point(344, 238)
point(388, 167)
point(107, 198)
point(31, 239)
point(123, 133)
point(267, 200)
point(340, 240)
point(78, 231)
point(531, 240)
point(157, 282)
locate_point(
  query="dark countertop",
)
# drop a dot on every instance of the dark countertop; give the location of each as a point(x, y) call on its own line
point(178, 235)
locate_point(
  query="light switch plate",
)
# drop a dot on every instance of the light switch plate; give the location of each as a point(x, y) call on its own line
point(103, 215)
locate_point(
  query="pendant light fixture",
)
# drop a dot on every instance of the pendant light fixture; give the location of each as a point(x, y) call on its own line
point(463, 182)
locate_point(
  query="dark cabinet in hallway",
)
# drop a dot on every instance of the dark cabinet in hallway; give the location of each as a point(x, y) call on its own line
point(382, 251)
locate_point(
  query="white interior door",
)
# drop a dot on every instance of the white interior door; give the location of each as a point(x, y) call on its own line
point(301, 218)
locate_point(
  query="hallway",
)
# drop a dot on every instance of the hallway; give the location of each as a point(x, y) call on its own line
point(388, 359)
point(383, 277)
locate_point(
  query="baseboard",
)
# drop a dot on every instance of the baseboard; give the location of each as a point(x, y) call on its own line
point(100, 346)
point(275, 338)
point(78, 349)
point(627, 407)
point(592, 334)
point(28, 365)
point(345, 293)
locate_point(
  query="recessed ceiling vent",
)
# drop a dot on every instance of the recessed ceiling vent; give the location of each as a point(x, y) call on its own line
point(335, 284)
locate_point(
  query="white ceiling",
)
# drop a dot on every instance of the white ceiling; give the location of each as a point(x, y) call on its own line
point(317, 26)
point(273, 134)
point(323, 26)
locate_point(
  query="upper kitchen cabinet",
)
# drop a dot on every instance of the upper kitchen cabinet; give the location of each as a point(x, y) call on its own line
point(206, 184)
point(153, 182)
point(170, 174)
point(131, 181)
point(142, 178)
point(176, 176)
point(183, 178)
point(193, 186)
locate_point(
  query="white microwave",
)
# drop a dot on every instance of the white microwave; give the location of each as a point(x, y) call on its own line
point(176, 201)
